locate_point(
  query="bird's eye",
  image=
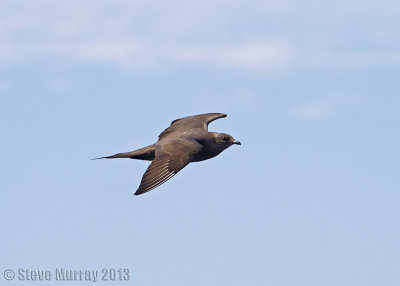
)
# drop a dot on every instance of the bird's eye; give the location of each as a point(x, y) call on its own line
point(225, 138)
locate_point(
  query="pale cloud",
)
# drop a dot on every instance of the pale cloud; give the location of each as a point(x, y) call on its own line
point(140, 35)
point(94, 32)
point(260, 56)
point(254, 55)
point(327, 106)
point(314, 110)
point(263, 56)
point(352, 59)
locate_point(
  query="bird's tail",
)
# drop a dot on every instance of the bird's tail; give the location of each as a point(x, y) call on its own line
point(145, 153)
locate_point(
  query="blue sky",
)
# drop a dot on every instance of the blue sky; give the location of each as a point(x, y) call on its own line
point(310, 88)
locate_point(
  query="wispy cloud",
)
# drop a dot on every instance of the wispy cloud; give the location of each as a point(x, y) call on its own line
point(262, 56)
point(141, 35)
point(118, 34)
point(352, 59)
point(314, 110)
point(325, 107)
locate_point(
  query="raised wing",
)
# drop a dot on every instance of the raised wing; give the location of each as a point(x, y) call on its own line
point(200, 121)
point(170, 159)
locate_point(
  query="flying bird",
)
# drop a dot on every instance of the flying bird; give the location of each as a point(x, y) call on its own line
point(186, 140)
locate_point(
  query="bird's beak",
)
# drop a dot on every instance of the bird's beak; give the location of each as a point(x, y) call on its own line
point(237, 142)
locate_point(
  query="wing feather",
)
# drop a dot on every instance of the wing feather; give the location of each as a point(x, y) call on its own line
point(171, 156)
point(161, 170)
point(200, 121)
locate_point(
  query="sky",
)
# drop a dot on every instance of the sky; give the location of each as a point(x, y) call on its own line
point(311, 89)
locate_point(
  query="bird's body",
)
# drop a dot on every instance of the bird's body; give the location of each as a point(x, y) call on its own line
point(186, 140)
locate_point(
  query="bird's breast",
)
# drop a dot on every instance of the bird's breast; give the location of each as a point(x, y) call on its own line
point(207, 152)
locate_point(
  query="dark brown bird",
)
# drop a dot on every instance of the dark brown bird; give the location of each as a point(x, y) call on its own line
point(186, 140)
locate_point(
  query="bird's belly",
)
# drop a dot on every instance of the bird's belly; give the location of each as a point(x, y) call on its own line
point(204, 156)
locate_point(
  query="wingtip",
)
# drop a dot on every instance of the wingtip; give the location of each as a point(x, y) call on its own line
point(99, 158)
point(221, 114)
point(139, 191)
point(108, 157)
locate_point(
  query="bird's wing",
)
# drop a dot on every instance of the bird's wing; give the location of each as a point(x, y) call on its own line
point(171, 157)
point(200, 121)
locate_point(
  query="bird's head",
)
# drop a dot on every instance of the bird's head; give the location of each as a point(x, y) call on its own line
point(225, 140)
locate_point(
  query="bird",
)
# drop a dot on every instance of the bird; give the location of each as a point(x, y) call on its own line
point(185, 141)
